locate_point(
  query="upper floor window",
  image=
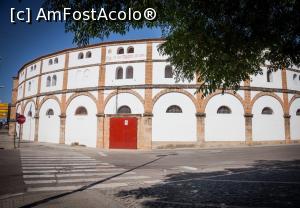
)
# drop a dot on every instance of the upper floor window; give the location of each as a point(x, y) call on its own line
point(119, 73)
point(224, 110)
point(34, 67)
point(50, 112)
point(168, 72)
point(129, 72)
point(80, 55)
point(294, 77)
point(48, 81)
point(269, 76)
point(120, 50)
point(124, 109)
point(88, 54)
point(298, 112)
point(31, 68)
point(54, 80)
point(130, 49)
point(267, 111)
point(50, 62)
point(29, 86)
point(174, 109)
point(56, 60)
point(81, 111)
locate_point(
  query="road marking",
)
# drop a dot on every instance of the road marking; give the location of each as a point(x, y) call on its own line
point(102, 154)
point(82, 180)
point(69, 188)
point(153, 181)
point(58, 159)
point(6, 196)
point(63, 164)
point(188, 168)
point(63, 167)
point(71, 175)
point(69, 171)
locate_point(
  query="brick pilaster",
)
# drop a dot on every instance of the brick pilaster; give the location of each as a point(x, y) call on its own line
point(36, 130)
point(200, 129)
point(248, 114)
point(62, 128)
point(286, 116)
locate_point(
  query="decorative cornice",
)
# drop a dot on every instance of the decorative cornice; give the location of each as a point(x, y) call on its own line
point(248, 115)
point(200, 114)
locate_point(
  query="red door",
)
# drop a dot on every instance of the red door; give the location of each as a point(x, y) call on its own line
point(123, 133)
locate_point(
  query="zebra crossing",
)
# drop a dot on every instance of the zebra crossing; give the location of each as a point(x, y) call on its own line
point(49, 172)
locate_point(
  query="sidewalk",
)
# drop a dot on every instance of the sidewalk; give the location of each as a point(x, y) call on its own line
point(6, 142)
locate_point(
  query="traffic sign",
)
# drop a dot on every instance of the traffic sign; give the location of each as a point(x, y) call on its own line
point(21, 119)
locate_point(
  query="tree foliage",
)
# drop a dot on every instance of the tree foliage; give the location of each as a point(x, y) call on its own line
point(221, 42)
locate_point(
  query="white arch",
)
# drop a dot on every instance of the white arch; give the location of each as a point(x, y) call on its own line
point(267, 127)
point(224, 127)
point(174, 126)
point(295, 120)
point(29, 125)
point(49, 126)
point(124, 99)
point(19, 110)
point(81, 128)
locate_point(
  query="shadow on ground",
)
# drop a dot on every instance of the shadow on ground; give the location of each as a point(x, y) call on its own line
point(264, 184)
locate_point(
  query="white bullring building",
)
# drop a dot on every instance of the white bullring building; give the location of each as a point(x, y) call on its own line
point(123, 95)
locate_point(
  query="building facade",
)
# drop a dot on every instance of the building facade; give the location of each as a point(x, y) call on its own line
point(123, 95)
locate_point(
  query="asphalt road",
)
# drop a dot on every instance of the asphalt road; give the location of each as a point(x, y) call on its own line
point(47, 175)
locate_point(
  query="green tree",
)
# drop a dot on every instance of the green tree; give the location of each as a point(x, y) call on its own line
point(222, 42)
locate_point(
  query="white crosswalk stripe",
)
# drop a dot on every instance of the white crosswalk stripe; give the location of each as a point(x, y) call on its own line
point(42, 172)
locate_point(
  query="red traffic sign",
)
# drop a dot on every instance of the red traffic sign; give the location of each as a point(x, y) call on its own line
point(21, 119)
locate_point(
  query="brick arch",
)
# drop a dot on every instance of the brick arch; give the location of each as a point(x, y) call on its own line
point(25, 104)
point(137, 95)
point(64, 106)
point(207, 99)
point(53, 97)
point(166, 91)
point(261, 94)
point(295, 97)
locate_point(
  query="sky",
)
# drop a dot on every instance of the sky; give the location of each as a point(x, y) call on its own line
point(22, 42)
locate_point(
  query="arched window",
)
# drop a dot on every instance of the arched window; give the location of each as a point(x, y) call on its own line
point(48, 82)
point(54, 80)
point(130, 49)
point(34, 67)
point(129, 72)
point(29, 86)
point(50, 62)
point(50, 112)
point(80, 55)
point(174, 109)
point(120, 50)
point(31, 68)
point(88, 54)
point(29, 114)
point(56, 60)
point(119, 73)
point(294, 77)
point(224, 110)
point(298, 112)
point(269, 76)
point(80, 111)
point(168, 72)
point(267, 111)
point(124, 109)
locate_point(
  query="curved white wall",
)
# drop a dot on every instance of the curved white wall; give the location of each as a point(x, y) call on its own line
point(82, 129)
point(49, 126)
point(267, 127)
point(124, 99)
point(174, 126)
point(295, 120)
point(224, 127)
point(29, 125)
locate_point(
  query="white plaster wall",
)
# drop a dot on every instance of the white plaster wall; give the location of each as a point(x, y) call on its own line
point(95, 59)
point(261, 80)
point(22, 75)
point(59, 82)
point(34, 70)
point(159, 75)
point(295, 120)
point(124, 99)
point(59, 65)
point(34, 87)
point(224, 127)
point(291, 83)
point(174, 126)
point(83, 77)
point(155, 53)
point(267, 127)
point(139, 53)
point(20, 91)
point(82, 129)
point(138, 74)
point(49, 126)
point(29, 125)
